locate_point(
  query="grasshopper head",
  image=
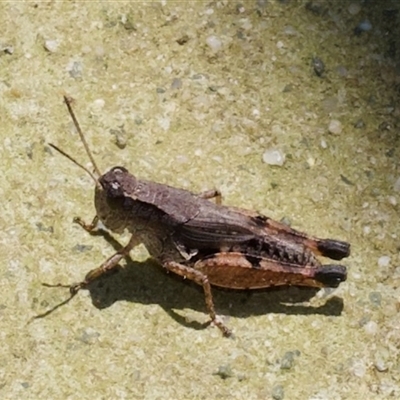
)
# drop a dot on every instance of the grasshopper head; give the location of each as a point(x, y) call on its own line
point(111, 188)
point(112, 198)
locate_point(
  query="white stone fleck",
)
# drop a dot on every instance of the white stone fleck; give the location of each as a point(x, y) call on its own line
point(164, 123)
point(51, 45)
point(289, 30)
point(246, 24)
point(359, 369)
point(365, 25)
point(396, 186)
point(354, 8)
point(273, 157)
point(218, 159)
point(99, 104)
point(392, 200)
point(380, 365)
point(383, 261)
point(214, 43)
point(311, 161)
point(335, 127)
point(371, 328)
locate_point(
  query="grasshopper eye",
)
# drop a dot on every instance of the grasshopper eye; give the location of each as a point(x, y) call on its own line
point(119, 170)
point(115, 185)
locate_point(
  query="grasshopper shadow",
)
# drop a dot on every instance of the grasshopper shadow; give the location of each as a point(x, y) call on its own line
point(148, 283)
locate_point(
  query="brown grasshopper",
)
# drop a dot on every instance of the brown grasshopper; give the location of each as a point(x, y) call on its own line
point(203, 241)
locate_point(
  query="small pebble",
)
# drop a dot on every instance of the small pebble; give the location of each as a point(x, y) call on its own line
point(98, 104)
point(371, 328)
point(396, 186)
point(375, 298)
point(273, 157)
point(176, 83)
point(75, 69)
point(121, 139)
point(182, 40)
point(261, 3)
point(6, 48)
point(240, 8)
point(43, 228)
point(99, 51)
point(88, 336)
point(318, 65)
point(317, 7)
point(128, 22)
point(164, 123)
point(81, 248)
point(383, 261)
point(380, 365)
point(288, 359)
point(310, 161)
point(288, 88)
point(359, 369)
point(214, 43)
point(363, 26)
point(382, 355)
point(330, 104)
point(286, 221)
point(359, 124)
point(396, 274)
point(342, 71)
point(277, 392)
point(392, 200)
point(385, 126)
point(51, 45)
point(335, 127)
point(354, 8)
point(86, 49)
point(289, 30)
point(224, 372)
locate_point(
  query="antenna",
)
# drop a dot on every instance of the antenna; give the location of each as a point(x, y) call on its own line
point(75, 162)
point(68, 101)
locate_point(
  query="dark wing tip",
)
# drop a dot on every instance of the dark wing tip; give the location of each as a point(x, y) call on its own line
point(334, 249)
point(331, 275)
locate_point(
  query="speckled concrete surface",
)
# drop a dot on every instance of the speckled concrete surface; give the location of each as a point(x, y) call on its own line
point(154, 96)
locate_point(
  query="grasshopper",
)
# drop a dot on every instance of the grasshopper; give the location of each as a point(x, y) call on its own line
point(202, 240)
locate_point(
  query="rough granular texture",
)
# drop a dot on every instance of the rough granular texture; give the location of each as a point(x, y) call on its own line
point(195, 95)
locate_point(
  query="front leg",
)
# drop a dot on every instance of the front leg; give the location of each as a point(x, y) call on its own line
point(106, 267)
point(94, 274)
point(202, 280)
point(91, 228)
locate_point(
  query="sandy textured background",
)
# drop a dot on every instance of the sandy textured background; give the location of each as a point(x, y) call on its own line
point(186, 115)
